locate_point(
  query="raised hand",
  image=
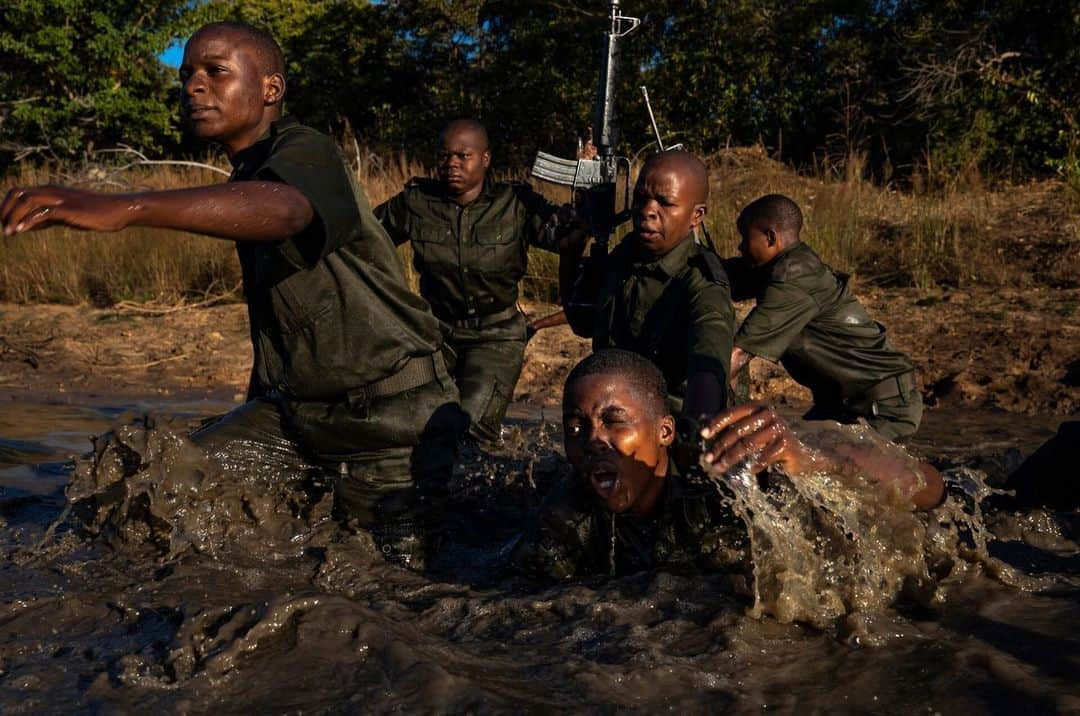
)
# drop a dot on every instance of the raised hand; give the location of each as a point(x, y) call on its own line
point(32, 208)
point(753, 431)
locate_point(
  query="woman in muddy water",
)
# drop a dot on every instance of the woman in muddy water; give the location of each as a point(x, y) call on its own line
point(627, 508)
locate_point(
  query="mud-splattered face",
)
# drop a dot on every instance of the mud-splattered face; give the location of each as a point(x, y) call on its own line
point(226, 95)
point(616, 442)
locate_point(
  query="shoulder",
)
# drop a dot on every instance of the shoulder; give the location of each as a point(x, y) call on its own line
point(421, 186)
point(800, 262)
point(525, 194)
point(417, 192)
point(710, 266)
point(294, 136)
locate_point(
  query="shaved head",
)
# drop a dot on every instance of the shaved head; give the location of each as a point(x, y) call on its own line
point(776, 210)
point(689, 168)
point(267, 52)
point(470, 126)
point(644, 377)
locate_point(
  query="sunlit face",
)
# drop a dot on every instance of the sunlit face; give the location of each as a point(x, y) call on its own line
point(225, 95)
point(665, 209)
point(615, 443)
point(463, 160)
point(759, 244)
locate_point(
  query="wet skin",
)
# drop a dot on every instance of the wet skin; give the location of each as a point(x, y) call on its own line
point(463, 161)
point(668, 204)
point(757, 432)
point(227, 100)
point(616, 442)
point(225, 94)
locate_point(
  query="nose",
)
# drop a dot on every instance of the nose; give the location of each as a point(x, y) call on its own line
point(194, 84)
point(648, 209)
point(598, 442)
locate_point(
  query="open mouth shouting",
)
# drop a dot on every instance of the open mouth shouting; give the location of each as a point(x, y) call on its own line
point(604, 478)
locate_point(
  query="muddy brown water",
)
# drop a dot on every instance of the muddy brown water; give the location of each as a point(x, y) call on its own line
point(200, 592)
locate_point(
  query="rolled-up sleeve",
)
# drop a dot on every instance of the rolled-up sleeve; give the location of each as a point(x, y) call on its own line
point(311, 163)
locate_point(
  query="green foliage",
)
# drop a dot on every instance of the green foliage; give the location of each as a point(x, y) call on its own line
point(918, 88)
point(79, 73)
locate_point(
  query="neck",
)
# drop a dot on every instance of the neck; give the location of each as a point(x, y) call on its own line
point(253, 135)
point(467, 197)
point(647, 502)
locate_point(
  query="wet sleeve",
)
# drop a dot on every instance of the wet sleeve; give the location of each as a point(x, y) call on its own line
point(391, 214)
point(311, 163)
point(779, 317)
point(554, 544)
point(711, 331)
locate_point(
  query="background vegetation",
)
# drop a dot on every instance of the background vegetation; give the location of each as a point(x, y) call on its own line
point(909, 130)
point(926, 90)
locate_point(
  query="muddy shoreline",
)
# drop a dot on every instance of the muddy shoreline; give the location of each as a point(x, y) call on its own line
point(1014, 350)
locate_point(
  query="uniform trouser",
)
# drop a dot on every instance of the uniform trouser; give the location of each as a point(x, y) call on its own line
point(392, 455)
point(488, 366)
point(894, 418)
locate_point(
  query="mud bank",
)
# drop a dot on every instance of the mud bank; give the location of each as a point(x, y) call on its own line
point(1009, 349)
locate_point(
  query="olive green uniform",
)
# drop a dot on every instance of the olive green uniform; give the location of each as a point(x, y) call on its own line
point(807, 319)
point(574, 535)
point(674, 309)
point(470, 260)
point(348, 371)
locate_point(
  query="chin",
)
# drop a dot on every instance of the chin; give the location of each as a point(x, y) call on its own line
point(200, 130)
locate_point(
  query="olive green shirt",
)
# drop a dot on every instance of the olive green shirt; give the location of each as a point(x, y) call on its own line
point(674, 309)
point(574, 535)
point(807, 318)
point(329, 308)
point(469, 258)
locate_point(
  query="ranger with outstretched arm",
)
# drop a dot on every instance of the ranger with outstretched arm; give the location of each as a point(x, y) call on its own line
point(348, 369)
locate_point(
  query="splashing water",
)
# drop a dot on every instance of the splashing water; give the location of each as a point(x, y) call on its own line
point(827, 546)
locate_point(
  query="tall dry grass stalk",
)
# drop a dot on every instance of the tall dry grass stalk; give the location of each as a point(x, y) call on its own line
point(917, 238)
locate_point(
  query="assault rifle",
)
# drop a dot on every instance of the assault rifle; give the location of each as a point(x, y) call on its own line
point(595, 181)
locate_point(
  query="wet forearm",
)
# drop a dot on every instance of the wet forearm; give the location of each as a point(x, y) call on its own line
point(239, 211)
point(919, 481)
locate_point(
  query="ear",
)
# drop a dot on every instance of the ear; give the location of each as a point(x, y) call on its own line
point(770, 233)
point(698, 216)
point(666, 431)
point(274, 88)
point(487, 158)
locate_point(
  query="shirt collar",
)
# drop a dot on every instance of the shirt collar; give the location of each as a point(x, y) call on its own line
point(257, 152)
point(671, 263)
point(782, 254)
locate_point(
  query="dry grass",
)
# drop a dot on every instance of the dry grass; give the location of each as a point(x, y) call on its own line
point(960, 237)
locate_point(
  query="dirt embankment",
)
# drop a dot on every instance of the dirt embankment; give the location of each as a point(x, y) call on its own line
point(1010, 349)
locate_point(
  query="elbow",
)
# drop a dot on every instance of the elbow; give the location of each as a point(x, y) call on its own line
point(297, 215)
